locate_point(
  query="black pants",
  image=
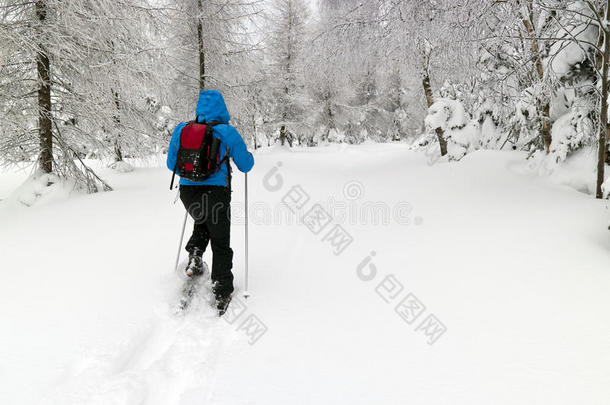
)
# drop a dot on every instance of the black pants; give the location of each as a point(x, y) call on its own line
point(210, 207)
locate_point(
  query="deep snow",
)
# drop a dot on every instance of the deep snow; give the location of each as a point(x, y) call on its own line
point(515, 268)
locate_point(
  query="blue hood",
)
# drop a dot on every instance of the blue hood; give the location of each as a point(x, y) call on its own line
point(211, 107)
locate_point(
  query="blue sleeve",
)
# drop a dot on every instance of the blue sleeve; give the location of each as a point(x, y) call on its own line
point(174, 144)
point(239, 152)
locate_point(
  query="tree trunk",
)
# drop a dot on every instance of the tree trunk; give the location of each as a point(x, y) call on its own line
point(331, 118)
point(545, 131)
point(284, 136)
point(44, 96)
point(118, 154)
point(528, 21)
point(200, 47)
point(254, 140)
point(603, 130)
point(440, 134)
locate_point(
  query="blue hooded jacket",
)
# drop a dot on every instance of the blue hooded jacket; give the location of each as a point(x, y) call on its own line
point(211, 107)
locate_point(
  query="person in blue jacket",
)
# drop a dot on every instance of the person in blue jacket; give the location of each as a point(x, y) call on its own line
point(208, 202)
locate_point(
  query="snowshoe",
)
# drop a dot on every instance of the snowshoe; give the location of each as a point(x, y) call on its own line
point(196, 266)
point(194, 281)
point(222, 303)
point(189, 290)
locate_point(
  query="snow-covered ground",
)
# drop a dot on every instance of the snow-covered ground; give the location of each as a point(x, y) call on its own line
point(484, 284)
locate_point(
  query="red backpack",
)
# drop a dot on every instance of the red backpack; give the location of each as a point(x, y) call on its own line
point(199, 152)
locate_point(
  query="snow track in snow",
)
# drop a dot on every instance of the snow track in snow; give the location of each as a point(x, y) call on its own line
point(171, 361)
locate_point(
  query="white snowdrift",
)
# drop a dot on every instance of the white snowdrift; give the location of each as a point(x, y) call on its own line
point(39, 189)
point(122, 167)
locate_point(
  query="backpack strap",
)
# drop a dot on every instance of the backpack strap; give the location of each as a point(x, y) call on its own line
point(211, 123)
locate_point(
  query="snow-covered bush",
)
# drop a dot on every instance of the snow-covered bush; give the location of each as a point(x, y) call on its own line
point(446, 114)
point(570, 132)
point(526, 122)
point(491, 135)
point(461, 133)
point(335, 136)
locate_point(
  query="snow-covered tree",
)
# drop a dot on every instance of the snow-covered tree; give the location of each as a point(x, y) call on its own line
point(209, 44)
point(287, 37)
point(67, 77)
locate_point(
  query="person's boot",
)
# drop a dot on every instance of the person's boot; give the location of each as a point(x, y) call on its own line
point(222, 303)
point(196, 266)
point(223, 299)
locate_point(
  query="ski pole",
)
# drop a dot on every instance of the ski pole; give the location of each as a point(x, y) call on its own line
point(186, 214)
point(246, 292)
